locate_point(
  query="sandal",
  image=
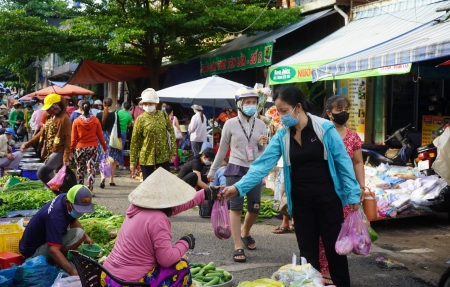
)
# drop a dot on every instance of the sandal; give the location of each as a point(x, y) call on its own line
point(239, 252)
point(281, 230)
point(292, 227)
point(102, 184)
point(327, 281)
point(112, 184)
point(247, 241)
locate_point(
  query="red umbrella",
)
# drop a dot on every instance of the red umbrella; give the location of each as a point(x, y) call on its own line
point(444, 64)
point(66, 91)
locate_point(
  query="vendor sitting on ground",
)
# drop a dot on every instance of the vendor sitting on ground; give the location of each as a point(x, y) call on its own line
point(143, 251)
point(55, 228)
point(191, 172)
point(8, 159)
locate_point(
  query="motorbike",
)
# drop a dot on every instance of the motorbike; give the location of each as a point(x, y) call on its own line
point(374, 155)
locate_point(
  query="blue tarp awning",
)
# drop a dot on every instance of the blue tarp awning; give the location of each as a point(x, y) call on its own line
point(427, 42)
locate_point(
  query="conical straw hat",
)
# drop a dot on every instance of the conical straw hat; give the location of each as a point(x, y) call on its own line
point(161, 190)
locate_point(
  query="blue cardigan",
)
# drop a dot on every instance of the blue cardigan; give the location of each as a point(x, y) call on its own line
point(339, 162)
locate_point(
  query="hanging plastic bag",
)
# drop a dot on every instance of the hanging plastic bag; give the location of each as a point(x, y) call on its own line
point(442, 163)
point(360, 235)
point(178, 134)
point(64, 280)
point(56, 182)
point(105, 166)
point(220, 219)
point(114, 141)
point(344, 245)
point(373, 235)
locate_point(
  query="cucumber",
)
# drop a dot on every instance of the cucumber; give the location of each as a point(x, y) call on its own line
point(213, 282)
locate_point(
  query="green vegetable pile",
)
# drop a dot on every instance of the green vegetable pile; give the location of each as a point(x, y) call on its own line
point(24, 195)
point(208, 274)
point(100, 212)
point(103, 230)
point(97, 232)
point(266, 210)
point(5, 178)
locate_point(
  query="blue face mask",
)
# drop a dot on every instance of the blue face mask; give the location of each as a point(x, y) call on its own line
point(288, 120)
point(163, 109)
point(249, 110)
point(75, 214)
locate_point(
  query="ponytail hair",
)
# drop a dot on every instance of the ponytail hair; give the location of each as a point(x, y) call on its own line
point(201, 116)
point(293, 96)
point(336, 101)
point(107, 102)
point(86, 105)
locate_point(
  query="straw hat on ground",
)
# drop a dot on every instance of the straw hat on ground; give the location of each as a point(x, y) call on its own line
point(162, 190)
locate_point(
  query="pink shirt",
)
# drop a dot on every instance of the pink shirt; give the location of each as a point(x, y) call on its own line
point(352, 142)
point(145, 242)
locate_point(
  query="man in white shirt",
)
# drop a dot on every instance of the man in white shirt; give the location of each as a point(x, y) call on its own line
point(7, 159)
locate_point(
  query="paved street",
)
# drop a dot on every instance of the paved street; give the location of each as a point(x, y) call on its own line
point(421, 244)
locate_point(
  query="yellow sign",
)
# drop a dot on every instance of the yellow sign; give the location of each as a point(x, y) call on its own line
point(430, 125)
point(355, 91)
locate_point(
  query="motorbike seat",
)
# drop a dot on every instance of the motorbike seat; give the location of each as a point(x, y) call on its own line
point(425, 148)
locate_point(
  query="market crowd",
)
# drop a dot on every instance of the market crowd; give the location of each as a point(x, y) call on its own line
point(321, 176)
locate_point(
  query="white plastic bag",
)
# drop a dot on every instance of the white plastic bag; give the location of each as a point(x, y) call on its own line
point(64, 280)
point(442, 163)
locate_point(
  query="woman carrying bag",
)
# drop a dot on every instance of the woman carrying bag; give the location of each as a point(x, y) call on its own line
point(153, 141)
point(110, 125)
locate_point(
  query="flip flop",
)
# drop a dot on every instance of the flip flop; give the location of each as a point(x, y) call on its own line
point(327, 281)
point(292, 227)
point(239, 252)
point(281, 230)
point(247, 241)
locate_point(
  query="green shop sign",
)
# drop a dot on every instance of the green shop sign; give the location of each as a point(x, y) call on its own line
point(256, 56)
point(303, 72)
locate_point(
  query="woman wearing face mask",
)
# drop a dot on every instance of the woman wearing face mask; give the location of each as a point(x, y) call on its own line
point(191, 172)
point(244, 134)
point(318, 176)
point(197, 129)
point(337, 110)
point(107, 118)
point(53, 138)
point(150, 146)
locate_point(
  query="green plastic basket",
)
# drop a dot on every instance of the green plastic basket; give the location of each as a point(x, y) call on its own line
point(94, 251)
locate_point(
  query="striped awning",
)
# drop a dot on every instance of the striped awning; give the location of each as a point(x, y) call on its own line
point(427, 42)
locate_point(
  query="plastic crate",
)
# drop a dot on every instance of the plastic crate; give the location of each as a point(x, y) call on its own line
point(30, 174)
point(10, 234)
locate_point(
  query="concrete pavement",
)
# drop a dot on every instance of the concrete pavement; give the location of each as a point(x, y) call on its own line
point(419, 243)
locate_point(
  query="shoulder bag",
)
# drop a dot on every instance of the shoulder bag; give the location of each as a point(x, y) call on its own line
point(114, 141)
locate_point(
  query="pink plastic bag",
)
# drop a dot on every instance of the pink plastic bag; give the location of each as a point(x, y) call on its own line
point(56, 182)
point(354, 236)
point(220, 219)
point(105, 167)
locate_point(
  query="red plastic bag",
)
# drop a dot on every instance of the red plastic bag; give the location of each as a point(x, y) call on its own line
point(220, 219)
point(56, 182)
point(354, 236)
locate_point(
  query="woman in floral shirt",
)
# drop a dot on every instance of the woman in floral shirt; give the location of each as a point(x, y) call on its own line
point(153, 142)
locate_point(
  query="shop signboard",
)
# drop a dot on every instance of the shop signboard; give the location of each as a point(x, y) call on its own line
point(355, 91)
point(256, 56)
point(303, 72)
point(430, 126)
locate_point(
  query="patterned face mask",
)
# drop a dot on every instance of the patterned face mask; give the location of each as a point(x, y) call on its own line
point(54, 110)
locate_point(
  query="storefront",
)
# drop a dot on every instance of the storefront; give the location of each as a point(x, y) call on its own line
point(367, 53)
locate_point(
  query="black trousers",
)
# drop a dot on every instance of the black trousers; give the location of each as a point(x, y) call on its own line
point(191, 179)
point(320, 216)
point(147, 170)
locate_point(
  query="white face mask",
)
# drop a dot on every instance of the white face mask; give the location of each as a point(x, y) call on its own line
point(141, 107)
point(149, 109)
